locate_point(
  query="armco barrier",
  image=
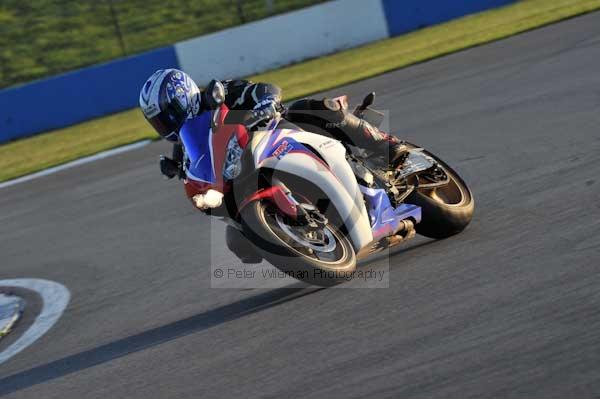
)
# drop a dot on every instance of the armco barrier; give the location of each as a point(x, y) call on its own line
point(314, 31)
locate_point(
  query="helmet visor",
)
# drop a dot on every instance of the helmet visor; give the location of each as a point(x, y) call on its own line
point(168, 122)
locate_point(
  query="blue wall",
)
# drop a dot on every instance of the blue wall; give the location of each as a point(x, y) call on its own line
point(78, 96)
point(407, 15)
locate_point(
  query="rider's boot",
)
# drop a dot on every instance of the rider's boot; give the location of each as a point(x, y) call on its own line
point(389, 146)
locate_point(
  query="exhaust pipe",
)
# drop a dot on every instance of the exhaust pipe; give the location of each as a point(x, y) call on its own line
point(405, 231)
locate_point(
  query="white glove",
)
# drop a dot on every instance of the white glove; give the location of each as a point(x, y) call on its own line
point(210, 199)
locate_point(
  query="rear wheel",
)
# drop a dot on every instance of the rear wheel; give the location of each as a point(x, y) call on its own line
point(317, 254)
point(446, 209)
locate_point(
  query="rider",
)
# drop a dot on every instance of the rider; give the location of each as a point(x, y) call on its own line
point(170, 97)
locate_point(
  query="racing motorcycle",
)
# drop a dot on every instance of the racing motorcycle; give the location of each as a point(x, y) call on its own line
point(311, 205)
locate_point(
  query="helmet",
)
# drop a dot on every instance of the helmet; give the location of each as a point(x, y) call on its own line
point(167, 99)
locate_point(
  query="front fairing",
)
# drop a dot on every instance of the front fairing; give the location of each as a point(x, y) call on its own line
point(322, 162)
point(196, 136)
point(205, 140)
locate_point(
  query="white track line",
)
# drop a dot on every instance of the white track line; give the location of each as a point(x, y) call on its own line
point(55, 299)
point(78, 162)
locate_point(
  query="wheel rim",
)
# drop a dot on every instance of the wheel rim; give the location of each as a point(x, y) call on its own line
point(330, 251)
point(322, 241)
point(454, 193)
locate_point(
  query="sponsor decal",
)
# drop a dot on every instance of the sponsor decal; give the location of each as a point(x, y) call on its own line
point(326, 144)
point(283, 149)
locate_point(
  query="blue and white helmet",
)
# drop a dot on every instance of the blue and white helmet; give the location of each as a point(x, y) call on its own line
point(167, 99)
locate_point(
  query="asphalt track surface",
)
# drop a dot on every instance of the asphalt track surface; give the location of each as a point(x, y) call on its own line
point(509, 308)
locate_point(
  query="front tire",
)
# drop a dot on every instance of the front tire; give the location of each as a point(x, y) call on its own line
point(282, 247)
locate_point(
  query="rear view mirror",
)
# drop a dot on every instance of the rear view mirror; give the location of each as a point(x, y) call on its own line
point(368, 100)
point(214, 94)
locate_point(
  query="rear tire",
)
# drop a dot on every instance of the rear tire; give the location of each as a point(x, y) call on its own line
point(262, 229)
point(446, 210)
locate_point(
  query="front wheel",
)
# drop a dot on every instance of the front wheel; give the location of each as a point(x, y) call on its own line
point(320, 256)
point(447, 209)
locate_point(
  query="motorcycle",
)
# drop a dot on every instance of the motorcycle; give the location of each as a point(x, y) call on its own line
point(312, 206)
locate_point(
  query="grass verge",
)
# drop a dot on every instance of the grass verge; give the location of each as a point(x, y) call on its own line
point(56, 147)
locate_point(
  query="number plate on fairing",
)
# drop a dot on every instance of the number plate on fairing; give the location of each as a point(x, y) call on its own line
point(416, 162)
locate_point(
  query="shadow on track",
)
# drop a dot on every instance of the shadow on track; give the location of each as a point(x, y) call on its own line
point(157, 336)
point(150, 338)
